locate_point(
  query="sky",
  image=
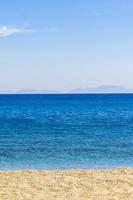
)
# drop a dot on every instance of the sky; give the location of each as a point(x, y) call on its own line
point(65, 44)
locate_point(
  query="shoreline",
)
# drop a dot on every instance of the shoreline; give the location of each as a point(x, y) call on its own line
point(65, 169)
point(72, 184)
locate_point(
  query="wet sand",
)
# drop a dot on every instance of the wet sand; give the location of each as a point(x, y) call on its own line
point(115, 184)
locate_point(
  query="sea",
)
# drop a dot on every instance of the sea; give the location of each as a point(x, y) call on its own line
point(66, 131)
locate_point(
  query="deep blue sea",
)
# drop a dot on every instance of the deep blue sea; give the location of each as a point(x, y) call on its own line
point(66, 131)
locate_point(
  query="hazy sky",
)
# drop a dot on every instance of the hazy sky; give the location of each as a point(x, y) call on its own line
point(65, 44)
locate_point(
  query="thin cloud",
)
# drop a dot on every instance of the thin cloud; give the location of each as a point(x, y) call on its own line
point(6, 31)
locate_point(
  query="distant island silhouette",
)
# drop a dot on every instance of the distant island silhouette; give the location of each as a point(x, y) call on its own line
point(103, 89)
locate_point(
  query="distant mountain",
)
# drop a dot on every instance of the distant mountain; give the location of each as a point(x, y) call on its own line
point(102, 89)
point(30, 91)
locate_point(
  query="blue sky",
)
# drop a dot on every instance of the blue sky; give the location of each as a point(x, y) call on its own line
point(65, 44)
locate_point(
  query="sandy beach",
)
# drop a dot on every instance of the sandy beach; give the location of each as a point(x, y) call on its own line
point(115, 184)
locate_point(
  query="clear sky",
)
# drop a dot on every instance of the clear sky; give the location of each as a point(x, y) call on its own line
point(65, 44)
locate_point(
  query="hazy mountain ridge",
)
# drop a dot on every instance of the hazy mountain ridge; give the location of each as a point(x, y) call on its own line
point(30, 91)
point(103, 89)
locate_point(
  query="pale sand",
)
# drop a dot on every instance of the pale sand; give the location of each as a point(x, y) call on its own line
point(67, 185)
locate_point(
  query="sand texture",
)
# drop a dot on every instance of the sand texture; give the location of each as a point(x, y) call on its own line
point(116, 184)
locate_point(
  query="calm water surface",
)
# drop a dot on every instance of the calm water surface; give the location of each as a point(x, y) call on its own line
point(66, 131)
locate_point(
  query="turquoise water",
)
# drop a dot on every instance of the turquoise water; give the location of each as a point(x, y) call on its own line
point(66, 131)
